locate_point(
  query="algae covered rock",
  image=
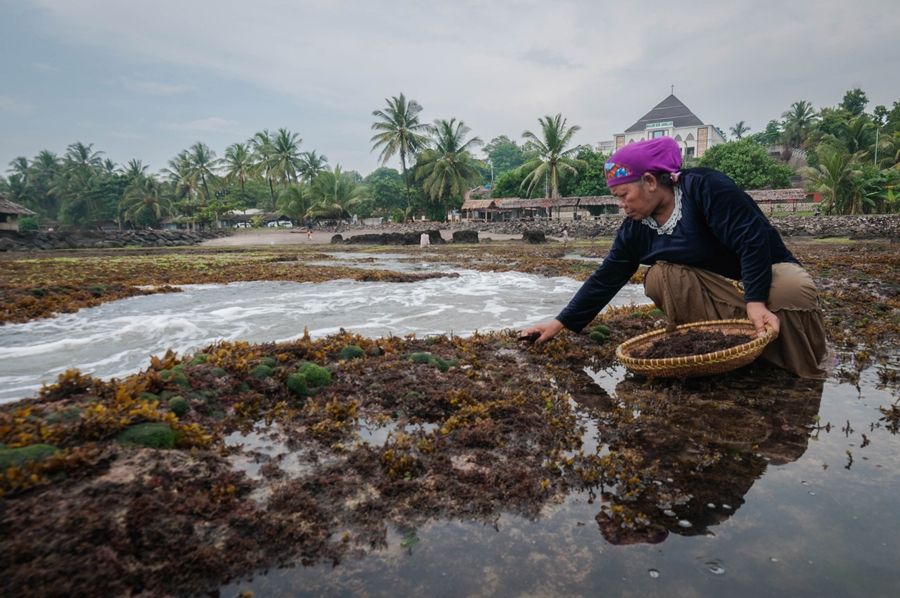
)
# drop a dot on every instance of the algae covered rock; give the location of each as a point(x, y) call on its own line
point(150, 434)
point(600, 333)
point(178, 405)
point(269, 361)
point(261, 372)
point(432, 360)
point(296, 383)
point(351, 352)
point(23, 454)
point(316, 375)
point(199, 358)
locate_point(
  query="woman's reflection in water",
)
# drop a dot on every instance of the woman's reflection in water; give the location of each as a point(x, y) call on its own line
point(686, 453)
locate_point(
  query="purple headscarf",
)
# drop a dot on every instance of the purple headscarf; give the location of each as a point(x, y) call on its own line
point(632, 161)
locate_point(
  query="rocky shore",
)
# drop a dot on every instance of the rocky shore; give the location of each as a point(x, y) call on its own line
point(16, 241)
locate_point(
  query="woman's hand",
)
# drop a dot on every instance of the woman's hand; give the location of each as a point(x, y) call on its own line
point(759, 314)
point(547, 330)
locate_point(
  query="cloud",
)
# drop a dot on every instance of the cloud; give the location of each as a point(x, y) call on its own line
point(549, 58)
point(13, 106)
point(211, 124)
point(156, 88)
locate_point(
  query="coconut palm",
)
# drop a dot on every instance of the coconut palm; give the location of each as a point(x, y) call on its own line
point(294, 201)
point(798, 122)
point(263, 160)
point(399, 132)
point(332, 192)
point(285, 156)
point(311, 164)
point(133, 170)
point(448, 168)
point(202, 165)
point(180, 174)
point(553, 159)
point(144, 201)
point(20, 167)
point(832, 178)
point(739, 129)
point(238, 163)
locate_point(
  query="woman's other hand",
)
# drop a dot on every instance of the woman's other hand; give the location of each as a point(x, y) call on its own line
point(759, 314)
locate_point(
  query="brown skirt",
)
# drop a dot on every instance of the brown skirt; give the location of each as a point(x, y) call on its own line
point(688, 294)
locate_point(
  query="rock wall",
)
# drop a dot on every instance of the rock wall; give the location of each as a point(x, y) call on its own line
point(876, 226)
point(38, 241)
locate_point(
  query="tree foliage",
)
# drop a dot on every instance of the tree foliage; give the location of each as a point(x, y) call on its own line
point(748, 164)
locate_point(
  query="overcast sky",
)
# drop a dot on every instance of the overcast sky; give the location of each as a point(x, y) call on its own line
point(146, 79)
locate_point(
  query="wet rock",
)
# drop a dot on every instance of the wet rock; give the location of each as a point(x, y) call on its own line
point(534, 236)
point(335, 239)
point(465, 236)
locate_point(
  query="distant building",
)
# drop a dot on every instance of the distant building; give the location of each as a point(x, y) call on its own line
point(669, 118)
point(10, 212)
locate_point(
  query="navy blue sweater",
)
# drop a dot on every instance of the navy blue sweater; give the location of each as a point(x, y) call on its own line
point(721, 230)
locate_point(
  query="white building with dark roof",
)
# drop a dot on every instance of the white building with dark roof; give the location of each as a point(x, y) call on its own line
point(670, 118)
point(10, 212)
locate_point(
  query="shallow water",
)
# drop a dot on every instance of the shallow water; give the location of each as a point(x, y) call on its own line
point(810, 523)
point(118, 338)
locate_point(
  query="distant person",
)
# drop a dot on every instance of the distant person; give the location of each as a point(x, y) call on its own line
point(308, 233)
point(424, 240)
point(702, 235)
point(565, 234)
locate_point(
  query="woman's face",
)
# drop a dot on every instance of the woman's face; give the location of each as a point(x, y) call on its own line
point(636, 199)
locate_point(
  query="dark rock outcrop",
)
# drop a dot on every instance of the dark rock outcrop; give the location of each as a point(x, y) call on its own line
point(398, 238)
point(43, 241)
point(533, 235)
point(465, 236)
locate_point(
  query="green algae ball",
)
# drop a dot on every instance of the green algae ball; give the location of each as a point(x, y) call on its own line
point(261, 372)
point(218, 372)
point(421, 357)
point(601, 328)
point(199, 358)
point(297, 384)
point(316, 375)
point(23, 454)
point(150, 434)
point(657, 313)
point(178, 405)
point(149, 396)
point(351, 352)
point(269, 361)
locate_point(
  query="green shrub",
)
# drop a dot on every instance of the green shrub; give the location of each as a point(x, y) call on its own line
point(261, 372)
point(178, 405)
point(269, 361)
point(27, 224)
point(150, 434)
point(316, 375)
point(199, 358)
point(297, 384)
point(20, 456)
point(351, 352)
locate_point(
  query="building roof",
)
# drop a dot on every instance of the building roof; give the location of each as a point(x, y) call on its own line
point(670, 109)
point(8, 207)
point(478, 204)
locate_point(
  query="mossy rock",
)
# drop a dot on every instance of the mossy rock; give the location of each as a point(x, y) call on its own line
point(218, 372)
point(149, 396)
point(243, 387)
point(64, 416)
point(200, 358)
point(297, 384)
point(150, 434)
point(176, 375)
point(351, 352)
point(657, 313)
point(432, 360)
point(269, 361)
point(23, 454)
point(261, 372)
point(316, 375)
point(178, 405)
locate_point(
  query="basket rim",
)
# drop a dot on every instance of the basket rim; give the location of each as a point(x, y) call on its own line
point(699, 359)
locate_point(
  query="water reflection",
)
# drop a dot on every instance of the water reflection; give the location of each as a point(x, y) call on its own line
point(688, 452)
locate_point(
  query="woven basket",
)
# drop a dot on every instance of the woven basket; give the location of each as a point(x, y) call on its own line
point(688, 366)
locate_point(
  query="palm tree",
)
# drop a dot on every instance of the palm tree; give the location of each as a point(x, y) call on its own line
point(133, 170)
point(285, 158)
point(739, 129)
point(798, 122)
point(180, 175)
point(263, 161)
point(832, 178)
point(238, 163)
point(202, 162)
point(144, 201)
point(448, 169)
point(20, 167)
point(293, 201)
point(399, 131)
point(553, 159)
point(44, 170)
point(332, 192)
point(311, 164)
